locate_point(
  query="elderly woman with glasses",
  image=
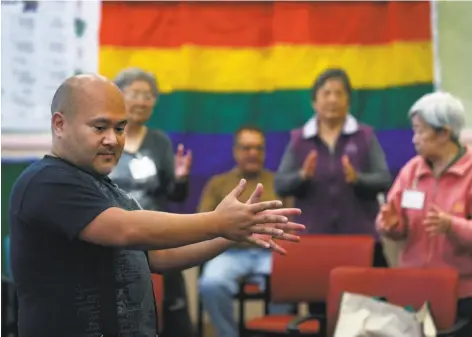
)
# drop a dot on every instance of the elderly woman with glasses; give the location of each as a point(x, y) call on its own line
point(429, 206)
point(149, 171)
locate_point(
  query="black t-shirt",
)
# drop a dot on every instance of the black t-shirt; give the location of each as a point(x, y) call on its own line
point(57, 276)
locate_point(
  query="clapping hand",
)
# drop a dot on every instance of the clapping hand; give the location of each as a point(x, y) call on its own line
point(255, 222)
point(437, 221)
point(349, 171)
point(267, 241)
point(389, 218)
point(183, 163)
point(309, 166)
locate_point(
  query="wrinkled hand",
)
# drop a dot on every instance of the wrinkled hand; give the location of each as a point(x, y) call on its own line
point(437, 221)
point(241, 220)
point(266, 241)
point(349, 171)
point(309, 165)
point(183, 163)
point(389, 218)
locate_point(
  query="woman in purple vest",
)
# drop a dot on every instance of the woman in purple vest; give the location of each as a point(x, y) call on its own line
point(334, 166)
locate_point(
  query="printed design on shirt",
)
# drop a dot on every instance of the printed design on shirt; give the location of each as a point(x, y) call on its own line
point(87, 305)
point(134, 302)
point(134, 292)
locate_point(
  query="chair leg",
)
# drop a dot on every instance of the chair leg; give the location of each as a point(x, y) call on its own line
point(266, 307)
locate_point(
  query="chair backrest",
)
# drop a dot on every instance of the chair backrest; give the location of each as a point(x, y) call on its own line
point(400, 286)
point(158, 287)
point(303, 274)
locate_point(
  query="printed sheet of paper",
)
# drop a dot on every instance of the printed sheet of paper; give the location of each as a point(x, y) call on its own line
point(42, 45)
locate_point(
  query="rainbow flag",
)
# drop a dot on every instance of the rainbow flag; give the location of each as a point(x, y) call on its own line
point(221, 65)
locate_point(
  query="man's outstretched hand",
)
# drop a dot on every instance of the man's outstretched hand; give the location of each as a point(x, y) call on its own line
point(256, 222)
point(267, 241)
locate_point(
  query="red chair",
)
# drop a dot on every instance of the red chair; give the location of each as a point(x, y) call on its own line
point(158, 287)
point(400, 286)
point(303, 276)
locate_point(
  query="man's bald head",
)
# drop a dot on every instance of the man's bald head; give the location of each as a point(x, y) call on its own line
point(80, 90)
point(88, 122)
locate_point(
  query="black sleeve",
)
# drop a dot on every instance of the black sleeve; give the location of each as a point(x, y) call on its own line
point(377, 177)
point(62, 201)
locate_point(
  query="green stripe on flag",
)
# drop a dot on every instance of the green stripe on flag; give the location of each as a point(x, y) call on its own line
point(276, 111)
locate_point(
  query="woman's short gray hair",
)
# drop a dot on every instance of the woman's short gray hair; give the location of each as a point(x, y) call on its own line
point(440, 109)
point(128, 76)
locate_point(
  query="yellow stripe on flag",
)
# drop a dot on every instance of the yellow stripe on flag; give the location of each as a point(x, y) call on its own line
point(207, 69)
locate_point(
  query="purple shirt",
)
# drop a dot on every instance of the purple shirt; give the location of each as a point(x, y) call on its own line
point(330, 205)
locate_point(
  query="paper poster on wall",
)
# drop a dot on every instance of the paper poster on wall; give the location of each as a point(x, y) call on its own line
point(43, 43)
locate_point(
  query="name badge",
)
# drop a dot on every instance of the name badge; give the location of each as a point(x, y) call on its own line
point(142, 168)
point(412, 199)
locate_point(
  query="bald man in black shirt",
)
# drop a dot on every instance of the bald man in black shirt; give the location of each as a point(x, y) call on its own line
point(82, 250)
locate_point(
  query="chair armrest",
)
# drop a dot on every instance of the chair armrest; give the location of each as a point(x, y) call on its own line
point(455, 329)
point(294, 326)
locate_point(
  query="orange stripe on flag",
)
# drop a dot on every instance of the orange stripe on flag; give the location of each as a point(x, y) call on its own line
point(262, 24)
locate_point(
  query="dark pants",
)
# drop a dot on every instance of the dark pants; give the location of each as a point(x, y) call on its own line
point(176, 316)
point(464, 310)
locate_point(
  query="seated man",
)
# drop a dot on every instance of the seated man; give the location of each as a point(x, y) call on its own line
point(219, 281)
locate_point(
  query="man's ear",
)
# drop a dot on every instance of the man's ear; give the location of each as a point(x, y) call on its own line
point(58, 122)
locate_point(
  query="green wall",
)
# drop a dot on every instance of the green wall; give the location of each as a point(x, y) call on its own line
point(455, 50)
